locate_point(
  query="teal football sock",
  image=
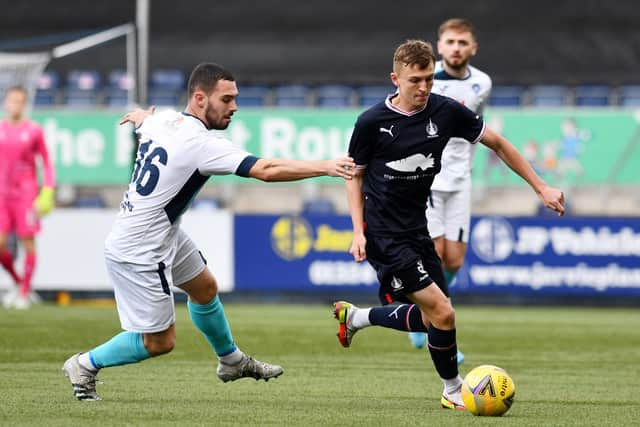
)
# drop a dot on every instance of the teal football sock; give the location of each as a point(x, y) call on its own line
point(123, 349)
point(449, 276)
point(212, 322)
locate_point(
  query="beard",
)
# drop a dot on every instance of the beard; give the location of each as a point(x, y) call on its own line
point(212, 123)
point(456, 66)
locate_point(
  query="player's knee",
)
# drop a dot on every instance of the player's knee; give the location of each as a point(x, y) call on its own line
point(453, 263)
point(445, 317)
point(156, 348)
point(161, 344)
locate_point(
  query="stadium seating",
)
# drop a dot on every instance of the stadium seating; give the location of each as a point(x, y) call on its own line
point(47, 89)
point(630, 96)
point(291, 95)
point(319, 206)
point(549, 95)
point(253, 96)
point(83, 88)
point(592, 95)
point(334, 96)
point(166, 87)
point(370, 95)
point(118, 87)
point(93, 201)
point(506, 96)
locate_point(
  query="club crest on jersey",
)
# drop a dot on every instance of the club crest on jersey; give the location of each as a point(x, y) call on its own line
point(475, 87)
point(421, 271)
point(432, 130)
point(396, 283)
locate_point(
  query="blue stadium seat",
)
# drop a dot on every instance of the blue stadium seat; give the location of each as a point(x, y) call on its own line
point(291, 95)
point(334, 96)
point(47, 88)
point(95, 201)
point(318, 207)
point(630, 96)
point(592, 95)
point(549, 95)
point(83, 88)
point(166, 87)
point(506, 96)
point(370, 95)
point(253, 96)
point(117, 90)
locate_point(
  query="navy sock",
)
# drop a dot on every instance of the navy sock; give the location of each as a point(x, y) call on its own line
point(405, 317)
point(443, 349)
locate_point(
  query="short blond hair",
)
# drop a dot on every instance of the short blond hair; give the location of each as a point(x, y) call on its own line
point(457, 24)
point(414, 52)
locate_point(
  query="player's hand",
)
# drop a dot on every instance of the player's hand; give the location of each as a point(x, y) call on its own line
point(343, 167)
point(45, 202)
point(552, 199)
point(137, 116)
point(358, 247)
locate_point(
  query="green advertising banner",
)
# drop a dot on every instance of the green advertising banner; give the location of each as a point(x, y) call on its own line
point(88, 148)
point(566, 146)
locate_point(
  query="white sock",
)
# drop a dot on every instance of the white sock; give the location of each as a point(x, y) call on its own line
point(360, 318)
point(232, 358)
point(85, 360)
point(452, 385)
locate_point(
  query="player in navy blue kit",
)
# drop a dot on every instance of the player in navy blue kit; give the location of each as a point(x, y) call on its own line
point(397, 146)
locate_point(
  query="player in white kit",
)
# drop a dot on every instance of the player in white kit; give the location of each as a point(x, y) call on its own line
point(449, 209)
point(147, 253)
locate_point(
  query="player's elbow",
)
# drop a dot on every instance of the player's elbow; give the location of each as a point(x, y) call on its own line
point(264, 171)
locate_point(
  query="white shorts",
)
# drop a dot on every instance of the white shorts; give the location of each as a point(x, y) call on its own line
point(449, 214)
point(143, 292)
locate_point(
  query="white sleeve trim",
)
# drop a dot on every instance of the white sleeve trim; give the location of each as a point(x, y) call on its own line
point(481, 134)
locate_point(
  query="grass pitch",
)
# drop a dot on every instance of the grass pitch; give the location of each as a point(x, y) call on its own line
point(571, 367)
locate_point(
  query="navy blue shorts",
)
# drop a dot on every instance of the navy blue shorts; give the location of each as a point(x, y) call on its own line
point(404, 264)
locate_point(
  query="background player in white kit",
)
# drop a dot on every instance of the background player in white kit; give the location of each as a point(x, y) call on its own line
point(147, 253)
point(449, 210)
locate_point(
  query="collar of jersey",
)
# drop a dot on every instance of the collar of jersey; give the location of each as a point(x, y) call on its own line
point(400, 110)
point(197, 118)
point(441, 73)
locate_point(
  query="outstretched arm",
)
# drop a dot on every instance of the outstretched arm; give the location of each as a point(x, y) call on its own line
point(293, 170)
point(551, 197)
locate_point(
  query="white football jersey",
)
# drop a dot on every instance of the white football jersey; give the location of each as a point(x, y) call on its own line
point(176, 156)
point(472, 91)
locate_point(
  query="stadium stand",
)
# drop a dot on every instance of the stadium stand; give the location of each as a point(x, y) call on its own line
point(370, 95)
point(166, 87)
point(629, 96)
point(47, 89)
point(83, 88)
point(592, 95)
point(507, 96)
point(320, 206)
point(118, 86)
point(292, 95)
point(549, 95)
point(253, 96)
point(334, 96)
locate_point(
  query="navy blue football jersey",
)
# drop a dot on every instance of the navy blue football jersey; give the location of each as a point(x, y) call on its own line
point(402, 153)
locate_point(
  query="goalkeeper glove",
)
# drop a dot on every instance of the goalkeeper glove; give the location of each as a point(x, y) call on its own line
point(45, 201)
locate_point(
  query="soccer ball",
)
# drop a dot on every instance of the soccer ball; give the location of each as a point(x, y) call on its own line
point(488, 390)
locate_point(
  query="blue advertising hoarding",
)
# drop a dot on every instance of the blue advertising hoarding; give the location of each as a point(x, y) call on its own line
point(524, 255)
point(553, 256)
point(296, 253)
